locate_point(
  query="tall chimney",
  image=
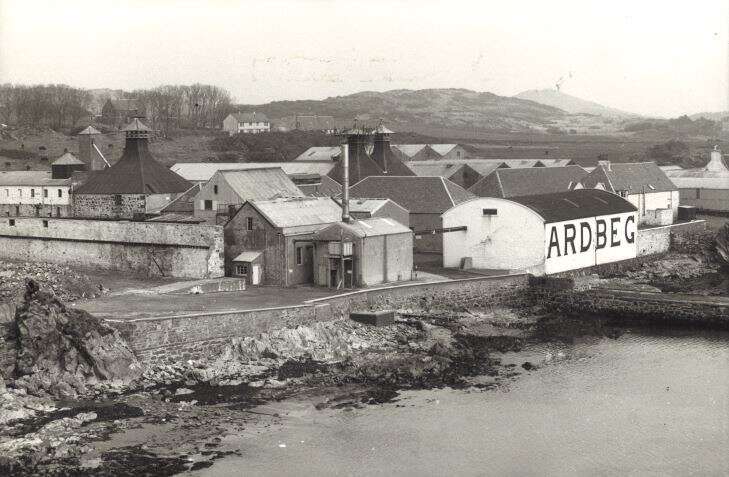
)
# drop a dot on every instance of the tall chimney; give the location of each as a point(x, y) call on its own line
point(605, 164)
point(344, 155)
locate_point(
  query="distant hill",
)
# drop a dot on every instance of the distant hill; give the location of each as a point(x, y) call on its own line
point(715, 116)
point(570, 104)
point(450, 108)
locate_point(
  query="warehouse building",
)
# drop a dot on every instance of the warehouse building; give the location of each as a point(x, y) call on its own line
point(643, 184)
point(541, 234)
point(458, 172)
point(34, 194)
point(514, 182)
point(363, 253)
point(706, 188)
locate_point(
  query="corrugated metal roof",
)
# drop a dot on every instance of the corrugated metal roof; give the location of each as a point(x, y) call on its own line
point(319, 153)
point(30, 178)
point(528, 181)
point(67, 159)
point(417, 194)
point(203, 171)
point(576, 204)
point(260, 183)
point(298, 212)
point(363, 228)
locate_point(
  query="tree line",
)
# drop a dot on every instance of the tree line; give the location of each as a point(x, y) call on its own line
point(55, 105)
point(166, 107)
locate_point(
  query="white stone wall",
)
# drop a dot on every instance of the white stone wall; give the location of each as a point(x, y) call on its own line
point(32, 195)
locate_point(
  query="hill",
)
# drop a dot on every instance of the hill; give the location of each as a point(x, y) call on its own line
point(714, 116)
point(570, 104)
point(403, 109)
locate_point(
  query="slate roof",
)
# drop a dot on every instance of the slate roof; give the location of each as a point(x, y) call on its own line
point(30, 178)
point(361, 165)
point(632, 177)
point(319, 153)
point(425, 195)
point(251, 117)
point(506, 183)
point(409, 150)
point(137, 172)
point(68, 159)
point(575, 204)
point(298, 212)
point(435, 168)
point(260, 183)
point(363, 228)
point(203, 171)
point(184, 202)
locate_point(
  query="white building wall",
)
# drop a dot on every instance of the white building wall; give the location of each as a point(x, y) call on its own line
point(651, 201)
point(513, 239)
point(34, 195)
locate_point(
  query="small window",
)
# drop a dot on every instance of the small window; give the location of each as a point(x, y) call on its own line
point(45, 223)
point(17, 210)
point(249, 223)
point(241, 269)
point(60, 192)
point(215, 189)
point(7, 192)
point(20, 192)
point(32, 192)
point(117, 199)
point(299, 256)
point(45, 193)
point(58, 211)
point(11, 222)
point(208, 205)
point(698, 193)
point(490, 212)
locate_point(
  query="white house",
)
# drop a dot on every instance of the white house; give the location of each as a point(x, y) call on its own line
point(248, 123)
point(34, 194)
point(644, 184)
point(540, 234)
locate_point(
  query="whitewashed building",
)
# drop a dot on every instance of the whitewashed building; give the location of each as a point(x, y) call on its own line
point(34, 194)
point(706, 188)
point(247, 123)
point(541, 234)
point(643, 184)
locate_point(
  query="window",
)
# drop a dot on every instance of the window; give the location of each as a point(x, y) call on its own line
point(698, 193)
point(45, 193)
point(249, 223)
point(32, 192)
point(11, 222)
point(60, 192)
point(299, 256)
point(215, 189)
point(17, 210)
point(58, 211)
point(458, 154)
point(45, 223)
point(7, 192)
point(20, 192)
point(208, 205)
point(490, 212)
point(117, 199)
point(241, 269)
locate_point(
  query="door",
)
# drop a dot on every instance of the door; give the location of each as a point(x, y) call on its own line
point(255, 275)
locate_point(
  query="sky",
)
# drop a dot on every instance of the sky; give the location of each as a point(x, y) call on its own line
point(657, 58)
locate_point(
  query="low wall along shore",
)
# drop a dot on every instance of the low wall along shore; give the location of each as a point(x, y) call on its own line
point(204, 335)
point(150, 248)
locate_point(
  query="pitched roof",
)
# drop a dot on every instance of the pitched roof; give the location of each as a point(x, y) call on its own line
point(178, 218)
point(298, 212)
point(632, 177)
point(521, 163)
point(90, 130)
point(251, 117)
point(509, 182)
point(435, 168)
point(203, 171)
point(184, 202)
point(319, 153)
point(68, 159)
point(363, 205)
point(260, 183)
point(575, 204)
point(443, 149)
point(362, 228)
point(557, 162)
point(30, 178)
point(136, 125)
point(409, 150)
point(137, 172)
point(715, 175)
point(428, 195)
point(361, 165)
point(325, 187)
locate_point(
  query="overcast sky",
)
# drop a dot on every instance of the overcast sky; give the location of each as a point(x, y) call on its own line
point(650, 57)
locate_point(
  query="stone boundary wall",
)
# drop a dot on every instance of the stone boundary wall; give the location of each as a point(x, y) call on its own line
point(635, 305)
point(150, 248)
point(183, 337)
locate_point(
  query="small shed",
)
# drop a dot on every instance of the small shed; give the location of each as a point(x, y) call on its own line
point(363, 253)
point(249, 266)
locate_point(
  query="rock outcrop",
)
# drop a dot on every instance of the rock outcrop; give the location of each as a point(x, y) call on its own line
point(64, 352)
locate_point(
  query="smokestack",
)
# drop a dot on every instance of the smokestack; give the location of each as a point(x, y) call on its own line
point(344, 154)
point(605, 164)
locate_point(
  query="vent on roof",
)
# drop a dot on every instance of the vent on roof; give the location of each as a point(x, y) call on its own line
point(490, 212)
point(571, 203)
point(601, 200)
point(651, 187)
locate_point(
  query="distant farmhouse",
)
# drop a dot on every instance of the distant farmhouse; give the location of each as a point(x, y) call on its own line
point(118, 112)
point(247, 123)
point(308, 122)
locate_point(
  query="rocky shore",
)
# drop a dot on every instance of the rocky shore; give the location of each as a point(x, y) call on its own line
point(75, 401)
